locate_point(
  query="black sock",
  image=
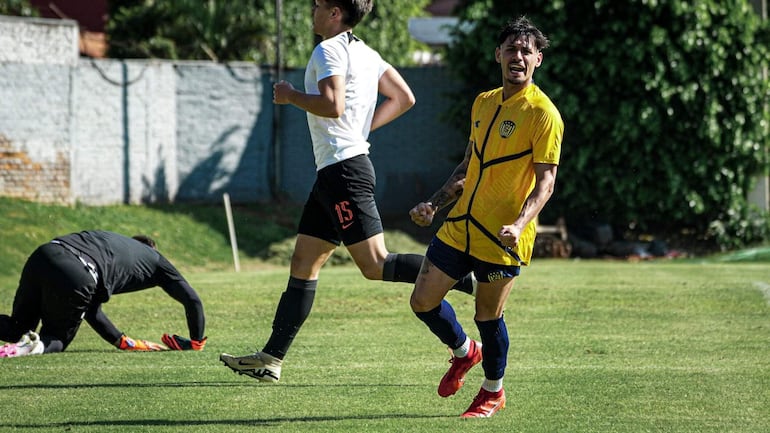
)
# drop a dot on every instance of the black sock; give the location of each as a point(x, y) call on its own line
point(465, 284)
point(293, 308)
point(402, 268)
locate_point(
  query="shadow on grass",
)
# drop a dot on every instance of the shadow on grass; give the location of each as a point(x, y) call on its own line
point(223, 422)
point(249, 384)
point(217, 422)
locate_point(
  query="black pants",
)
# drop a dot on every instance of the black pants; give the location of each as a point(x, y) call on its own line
point(56, 289)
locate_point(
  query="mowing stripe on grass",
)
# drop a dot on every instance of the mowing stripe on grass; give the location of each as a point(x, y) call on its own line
point(764, 288)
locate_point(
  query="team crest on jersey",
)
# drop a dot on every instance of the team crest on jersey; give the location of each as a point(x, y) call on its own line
point(506, 128)
point(495, 276)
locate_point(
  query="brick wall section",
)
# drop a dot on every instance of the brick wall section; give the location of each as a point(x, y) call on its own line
point(22, 176)
point(36, 60)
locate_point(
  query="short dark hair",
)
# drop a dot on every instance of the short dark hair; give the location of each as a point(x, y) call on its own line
point(145, 240)
point(353, 11)
point(522, 26)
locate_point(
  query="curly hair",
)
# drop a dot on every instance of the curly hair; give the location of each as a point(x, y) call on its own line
point(522, 26)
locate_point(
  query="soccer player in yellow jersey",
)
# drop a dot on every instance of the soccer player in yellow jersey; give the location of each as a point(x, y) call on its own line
point(505, 179)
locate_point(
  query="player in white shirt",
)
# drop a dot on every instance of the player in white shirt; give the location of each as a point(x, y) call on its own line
point(343, 80)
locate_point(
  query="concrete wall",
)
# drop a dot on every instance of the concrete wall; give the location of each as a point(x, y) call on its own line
point(123, 145)
point(140, 131)
point(224, 133)
point(38, 41)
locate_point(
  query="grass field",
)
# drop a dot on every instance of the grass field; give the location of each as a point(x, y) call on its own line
point(595, 347)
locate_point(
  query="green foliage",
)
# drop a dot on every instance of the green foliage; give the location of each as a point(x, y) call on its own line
point(19, 8)
point(190, 29)
point(246, 30)
point(384, 29)
point(191, 236)
point(297, 33)
point(664, 101)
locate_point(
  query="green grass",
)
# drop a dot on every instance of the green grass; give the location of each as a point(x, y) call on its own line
point(192, 236)
point(596, 346)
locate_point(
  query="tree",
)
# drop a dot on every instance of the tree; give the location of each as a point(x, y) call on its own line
point(19, 8)
point(664, 101)
point(385, 29)
point(245, 30)
point(190, 29)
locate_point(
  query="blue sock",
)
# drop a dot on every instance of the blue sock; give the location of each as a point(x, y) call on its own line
point(494, 349)
point(443, 322)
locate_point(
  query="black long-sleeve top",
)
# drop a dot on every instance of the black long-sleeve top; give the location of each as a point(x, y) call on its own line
point(126, 265)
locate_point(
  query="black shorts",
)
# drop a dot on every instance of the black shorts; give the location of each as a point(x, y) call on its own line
point(341, 206)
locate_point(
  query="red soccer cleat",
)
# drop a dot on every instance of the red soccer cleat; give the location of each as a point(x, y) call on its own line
point(485, 404)
point(454, 378)
point(175, 342)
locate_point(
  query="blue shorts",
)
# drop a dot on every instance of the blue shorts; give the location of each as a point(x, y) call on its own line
point(457, 264)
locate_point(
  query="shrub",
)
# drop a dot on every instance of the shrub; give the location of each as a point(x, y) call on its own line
point(665, 104)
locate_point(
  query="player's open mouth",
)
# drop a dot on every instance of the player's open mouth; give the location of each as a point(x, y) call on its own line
point(516, 68)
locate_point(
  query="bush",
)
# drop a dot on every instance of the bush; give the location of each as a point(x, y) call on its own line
point(20, 8)
point(246, 30)
point(665, 105)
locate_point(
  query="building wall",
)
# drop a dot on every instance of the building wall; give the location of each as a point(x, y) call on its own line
point(123, 145)
point(224, 131)
point(35, 148)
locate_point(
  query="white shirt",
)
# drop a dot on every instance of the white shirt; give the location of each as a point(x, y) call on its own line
point(337, 139)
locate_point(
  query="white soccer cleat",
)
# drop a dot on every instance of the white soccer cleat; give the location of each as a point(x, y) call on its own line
point(29, 344)
point(259, 365)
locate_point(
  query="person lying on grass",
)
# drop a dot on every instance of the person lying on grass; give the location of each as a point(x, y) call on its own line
point(69, 278)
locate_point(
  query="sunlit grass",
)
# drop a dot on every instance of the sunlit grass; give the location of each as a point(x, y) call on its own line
point(595, 347)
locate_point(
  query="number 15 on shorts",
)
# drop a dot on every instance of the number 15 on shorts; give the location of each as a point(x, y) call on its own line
point(344, 214)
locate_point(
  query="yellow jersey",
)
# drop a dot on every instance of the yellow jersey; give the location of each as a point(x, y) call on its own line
point(507, 138)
